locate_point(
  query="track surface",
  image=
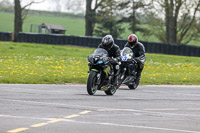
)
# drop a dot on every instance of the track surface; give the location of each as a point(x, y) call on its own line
point(69, 109)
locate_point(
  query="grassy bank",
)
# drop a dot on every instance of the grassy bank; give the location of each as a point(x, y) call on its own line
point(47, 64)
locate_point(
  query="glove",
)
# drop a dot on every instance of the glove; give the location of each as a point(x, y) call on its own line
point(137, 59)
point(113, 61)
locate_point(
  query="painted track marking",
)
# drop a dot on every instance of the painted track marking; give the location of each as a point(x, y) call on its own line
point(106, 124)
point(84, 112)
point(39, 125)
point(71, 116)
point(49, 122)
point(18, 130)
point(56, 120)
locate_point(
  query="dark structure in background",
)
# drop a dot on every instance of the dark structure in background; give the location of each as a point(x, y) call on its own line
point(93, 42)
point(48, 29)
point(52, 28)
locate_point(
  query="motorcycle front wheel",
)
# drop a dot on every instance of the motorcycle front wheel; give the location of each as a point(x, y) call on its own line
point(111, 91)
point(91, 83)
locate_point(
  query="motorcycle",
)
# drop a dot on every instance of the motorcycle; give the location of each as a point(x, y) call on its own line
point(128, 69)
point(101, 73)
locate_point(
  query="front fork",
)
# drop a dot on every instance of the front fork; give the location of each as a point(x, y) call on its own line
point(99, 78)
point(123, 73)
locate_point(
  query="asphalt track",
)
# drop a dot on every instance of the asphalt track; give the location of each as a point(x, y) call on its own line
point(69, 109)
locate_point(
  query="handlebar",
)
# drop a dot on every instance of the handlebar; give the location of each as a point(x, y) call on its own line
point(130, 61)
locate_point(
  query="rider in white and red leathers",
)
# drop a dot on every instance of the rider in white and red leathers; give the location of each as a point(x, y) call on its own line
point(139, 54)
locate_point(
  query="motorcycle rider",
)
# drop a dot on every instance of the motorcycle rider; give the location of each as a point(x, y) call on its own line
point(113, 52)
point(139, 54)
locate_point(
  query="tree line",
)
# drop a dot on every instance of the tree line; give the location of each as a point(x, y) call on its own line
point(171, 21)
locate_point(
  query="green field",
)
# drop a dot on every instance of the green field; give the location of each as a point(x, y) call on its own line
point(51, 64)
point(73, 25)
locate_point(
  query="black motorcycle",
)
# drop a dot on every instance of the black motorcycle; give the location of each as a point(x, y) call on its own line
point(101, 73)
point(128, 68)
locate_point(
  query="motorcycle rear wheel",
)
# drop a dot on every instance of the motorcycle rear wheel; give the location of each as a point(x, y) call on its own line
point(133, 86)
point(91, 86)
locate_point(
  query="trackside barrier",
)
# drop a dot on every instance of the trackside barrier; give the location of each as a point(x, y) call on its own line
point(84, 41)
point(59, 39)
point(5, 36)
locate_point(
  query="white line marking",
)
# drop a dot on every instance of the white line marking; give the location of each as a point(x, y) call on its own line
point(107, 124)
point(162, 109)
point(169, 86)
point(196, 95)
point(150, 91)
point(93, 107)
point(26, 117)
point(193, 109)
point(148, 112)
point(188, 94)
point(161, 113)
point(33, 90)
point(45, 103)
point(141, 127)
point(101, 110)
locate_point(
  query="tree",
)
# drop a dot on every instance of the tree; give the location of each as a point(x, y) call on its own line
point(20, 15)
point(156, 26)
point(18, 21)
point(131, 8)
point(90, 16)
point(179, 19)
point(108, 21)
point(5, 4)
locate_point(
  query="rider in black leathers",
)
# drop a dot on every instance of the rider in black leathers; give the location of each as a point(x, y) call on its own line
point(113, 52)
point(139, 54)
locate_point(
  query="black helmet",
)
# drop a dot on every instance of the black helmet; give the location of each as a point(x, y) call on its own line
point(108, 42)
point(132, 40)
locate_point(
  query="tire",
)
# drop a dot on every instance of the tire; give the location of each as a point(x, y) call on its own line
point(91, 87)
point(133, 86)
point(111, 91)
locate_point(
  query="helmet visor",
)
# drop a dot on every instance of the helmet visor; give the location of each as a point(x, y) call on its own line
point(132, 43)
point(107, 46)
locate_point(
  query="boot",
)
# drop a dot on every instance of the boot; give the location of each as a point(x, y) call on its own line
point(134, 73)
point(137, 80)
point(138, 75)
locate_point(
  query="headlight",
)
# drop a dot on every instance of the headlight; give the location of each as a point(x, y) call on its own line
point(100, 62)
point(124, 58)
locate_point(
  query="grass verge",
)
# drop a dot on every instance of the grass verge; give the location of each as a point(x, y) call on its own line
point(52, 64)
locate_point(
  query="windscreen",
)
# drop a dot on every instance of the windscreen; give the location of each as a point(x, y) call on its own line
point(100, 51)
point(127, 52)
